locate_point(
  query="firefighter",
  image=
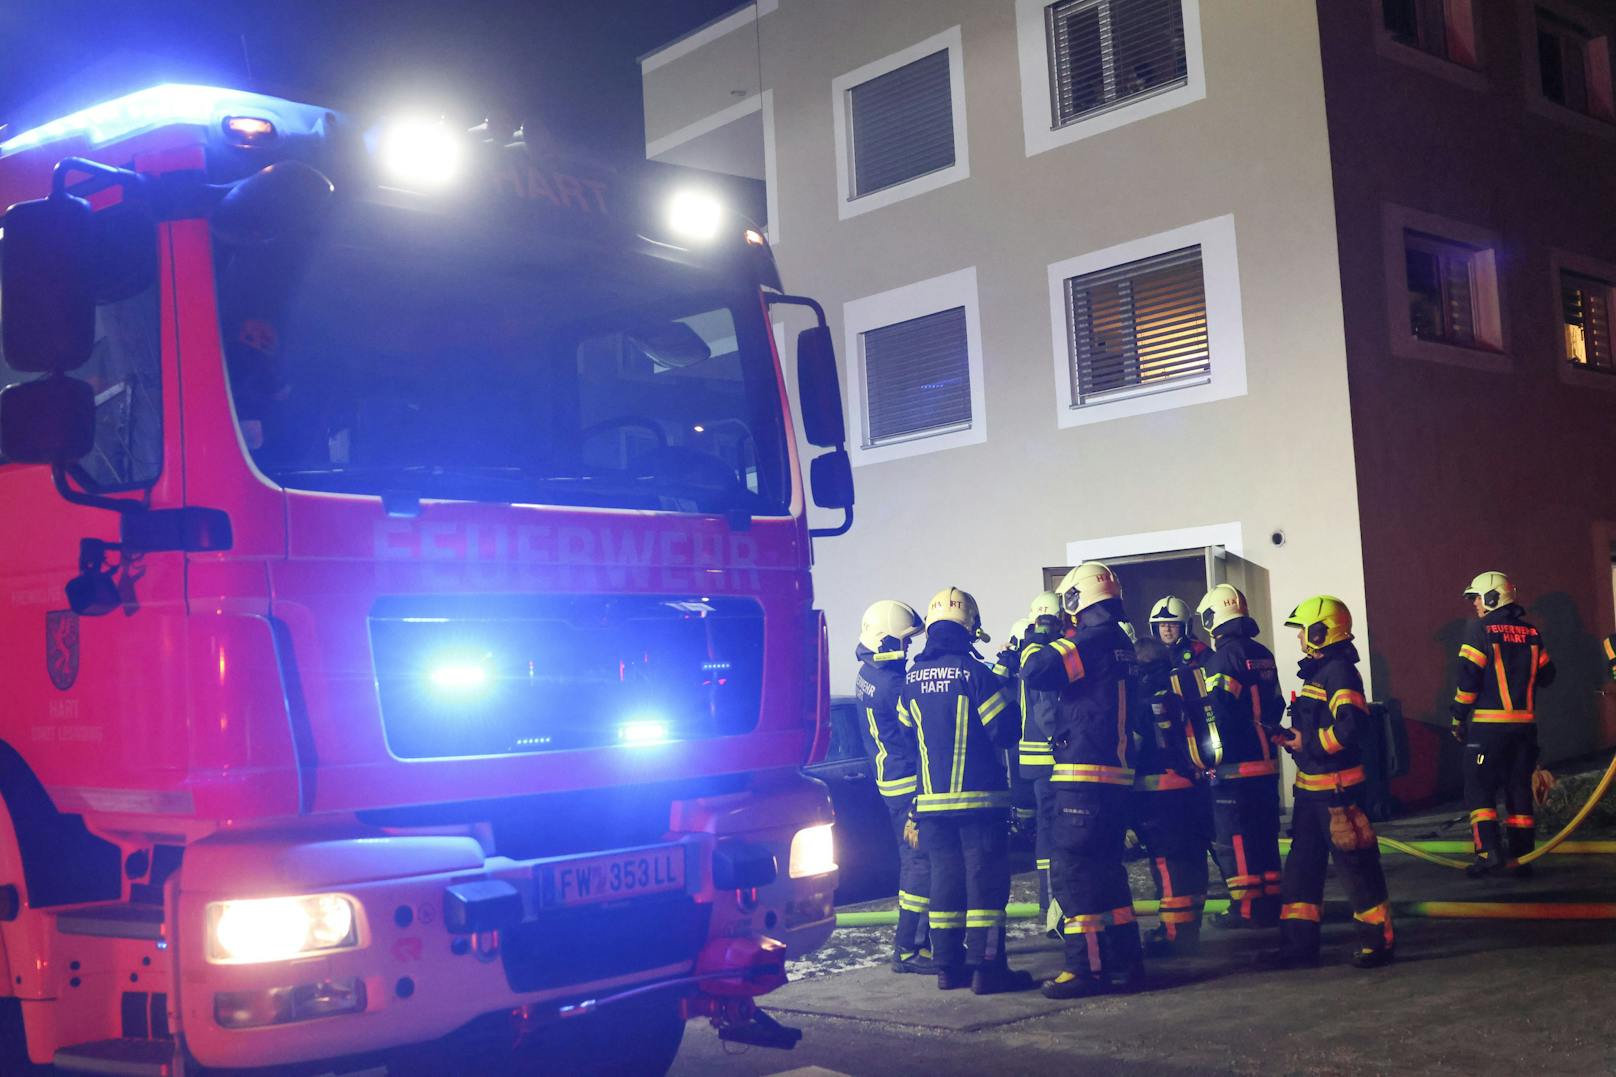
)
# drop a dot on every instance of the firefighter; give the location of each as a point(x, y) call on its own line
point(1328, 818)
point(884, 636)
point(1242, 694)
point(1172, 811)
point(1091, 782)
point(964, 717)
point(1034, 751)
point(1173, 623)
point(1502, 663)
point(1023, 794)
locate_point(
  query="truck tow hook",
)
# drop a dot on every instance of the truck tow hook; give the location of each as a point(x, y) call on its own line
point(761, 1031)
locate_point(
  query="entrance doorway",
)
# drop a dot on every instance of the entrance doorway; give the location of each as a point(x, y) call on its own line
point(1148, 577)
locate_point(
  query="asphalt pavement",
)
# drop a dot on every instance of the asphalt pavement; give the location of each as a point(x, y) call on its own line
point(1472, 996)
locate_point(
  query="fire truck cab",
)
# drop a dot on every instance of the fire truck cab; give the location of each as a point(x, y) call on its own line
point(405, 597)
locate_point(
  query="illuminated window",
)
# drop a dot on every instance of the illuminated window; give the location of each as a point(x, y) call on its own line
point(1452, 291)
point(1585, 303)
point(1107, 52)
point(1574, 66)
point(1443, 28)
point(1139, 327)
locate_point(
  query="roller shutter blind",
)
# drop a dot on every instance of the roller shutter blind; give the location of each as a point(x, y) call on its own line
point(1139, 326)
point(1106, 52)
point(1587, 321)
point(902, 124)
point(917, 377)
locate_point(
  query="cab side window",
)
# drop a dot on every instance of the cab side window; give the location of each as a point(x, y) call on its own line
point(125, 370)
point(845, 742)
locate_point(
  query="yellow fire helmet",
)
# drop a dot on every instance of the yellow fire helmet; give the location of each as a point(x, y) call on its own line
point(1324, 620)
point(1087, 584)
point(1494, 590)
point(1018, 632)
point(953, 604)
point(1171, 610)
point(1219, 606)
point(1047, 604)
point(888, 619)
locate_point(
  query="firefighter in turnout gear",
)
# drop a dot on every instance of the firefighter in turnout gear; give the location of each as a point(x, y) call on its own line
point(1037, 727)
point(1502, 663)
point(884, 636)
point(1328, 820)
point(964, 717)
point(1023, 793)
point(1091, 782)
point(1173, 623)
point(1172, 809)
point(1242, 692)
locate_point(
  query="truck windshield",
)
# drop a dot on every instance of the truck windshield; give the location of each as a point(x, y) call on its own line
point(494, 373)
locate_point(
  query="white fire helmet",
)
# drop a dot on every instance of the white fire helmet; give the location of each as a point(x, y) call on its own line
point(1087, 584)
point(888, 619)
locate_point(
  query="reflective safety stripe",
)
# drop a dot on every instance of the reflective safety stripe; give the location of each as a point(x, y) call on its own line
point(991, 707)
point(1000, 670)
point(1187, 917)
point(898, 787)
point(1315, 691)
point(1341, 779)
point(1225, 682)
point(1516, 717)
point(1484, 815)
point(1543, 656)
point(1089, 772)
point(1462, 696)
point(1346, 697)
point(1042, 864)
point(968, 801)
point(1255, 769)
point(1069, 658)
point(984, 917)
point(880, 746)
point(1300, 910)
point(1327, 738)
point(920, 743)
point(1503, 679)
point(913, 902)
point(945, 921)
point(1381, 914)
point(1095, 922)
point(885, 656)
point(1471, 654)
point(1040, 748)
point(1525, 821)
point(962, 717)
point(1162, 782)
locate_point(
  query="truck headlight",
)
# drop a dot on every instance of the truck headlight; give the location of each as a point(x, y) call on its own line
point(279, 929)
point(813, 852)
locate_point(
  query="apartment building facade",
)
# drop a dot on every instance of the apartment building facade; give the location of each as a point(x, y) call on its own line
point(1277, 293)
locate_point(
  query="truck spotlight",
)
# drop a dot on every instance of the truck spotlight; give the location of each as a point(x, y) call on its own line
point(279, 929)
point(694, 215)
point(419, 153)
point(642, 731)
point(813, 852)
point(461, 678)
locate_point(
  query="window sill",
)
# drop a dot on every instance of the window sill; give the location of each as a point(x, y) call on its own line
point(1478, 358)
point(1587, 377)
point(1454, 71)
point(1566, 116)
point(953, 437)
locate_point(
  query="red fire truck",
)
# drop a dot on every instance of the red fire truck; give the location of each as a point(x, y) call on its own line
point(405, 598)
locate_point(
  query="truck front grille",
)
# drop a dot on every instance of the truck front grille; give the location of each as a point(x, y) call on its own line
point(498, 675)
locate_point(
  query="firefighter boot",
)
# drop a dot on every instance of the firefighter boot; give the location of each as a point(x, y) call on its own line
point(1368, 958)
point(918, 961)
point(1122, 959)
point(1073, 985)
point(952, 977)
point(996, 978)
point(1184, 941)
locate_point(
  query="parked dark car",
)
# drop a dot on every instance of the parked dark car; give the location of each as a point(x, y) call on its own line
point(864, 843)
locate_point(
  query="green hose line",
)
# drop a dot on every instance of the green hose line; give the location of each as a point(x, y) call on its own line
point(1569, 848)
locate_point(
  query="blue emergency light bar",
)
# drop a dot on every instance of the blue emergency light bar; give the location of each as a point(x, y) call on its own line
point(154, 107)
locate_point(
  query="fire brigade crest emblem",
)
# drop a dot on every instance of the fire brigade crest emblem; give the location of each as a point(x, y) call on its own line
point(62, 648)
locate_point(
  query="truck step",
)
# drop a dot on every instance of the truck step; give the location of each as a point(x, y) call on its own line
point(113, 921)
point(118, 1058)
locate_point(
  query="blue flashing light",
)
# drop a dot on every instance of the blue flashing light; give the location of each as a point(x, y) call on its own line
point(144, 110)
point(639, 732)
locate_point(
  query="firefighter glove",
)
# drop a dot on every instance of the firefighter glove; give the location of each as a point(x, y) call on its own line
point(1350, 829)
point(911, 831)
point(1542, 782)
point(1456, 726)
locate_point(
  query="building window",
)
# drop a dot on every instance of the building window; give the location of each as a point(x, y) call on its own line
point(1138, 328)
point(900, 125)
point(1585, 305)
point(1443, 28)
point(917, 377)
point(1103, 53)
point(1452, 291)
point(914, 369)
point(1574, 65)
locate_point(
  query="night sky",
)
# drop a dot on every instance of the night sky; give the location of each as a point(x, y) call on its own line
point(571, 62)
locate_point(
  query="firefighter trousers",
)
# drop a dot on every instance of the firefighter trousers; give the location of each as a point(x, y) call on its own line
point(1086, 849)
point(1046, 824)
point(1500, 757)
point(1327, 825)
point(1175, 826)
point(969, 853)
point(914, 885)
point(1245, 819)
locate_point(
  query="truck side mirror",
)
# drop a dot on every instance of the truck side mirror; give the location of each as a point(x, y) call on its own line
point(47, 300)
point(831, 477)
point(49, 421)
point(819, 388)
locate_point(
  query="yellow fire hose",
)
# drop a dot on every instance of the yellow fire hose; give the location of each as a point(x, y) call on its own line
point(1424, 850)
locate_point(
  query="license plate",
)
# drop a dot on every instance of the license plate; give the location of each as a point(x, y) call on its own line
point(613, 877)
